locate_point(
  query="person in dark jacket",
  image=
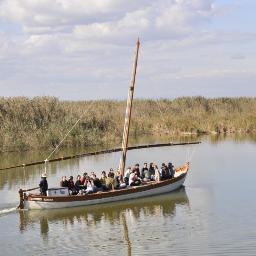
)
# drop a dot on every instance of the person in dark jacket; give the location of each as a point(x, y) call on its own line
point(64, 182)
point(151, 171)
point(137, 170)
point(97, 182)
point(165, 172)
point(171, 169)
point(43, 185)
point(78, 184)
point(71, 186)
point(111, 173)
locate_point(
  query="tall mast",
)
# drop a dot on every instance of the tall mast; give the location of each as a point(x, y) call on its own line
point(128, 112)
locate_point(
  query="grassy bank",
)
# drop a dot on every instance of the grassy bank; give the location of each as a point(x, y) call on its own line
point(41, 122)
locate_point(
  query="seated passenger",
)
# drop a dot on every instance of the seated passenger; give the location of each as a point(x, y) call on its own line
point(134, 180)
point(117, 179)
point(137, 170)
point(78, 184)
point(165, 172)
point(110, 183)
point(117, 173)
point(127, 175)
point(103, 178)
point(97, 182)
point(83, 178)
point(151, 171)
point(116, 182)
point(91, 176)
point(111, 173)
point(171, 170)
point(157, 176)
point(71, 186)
point(87, 178)
point(145, 173)
point(64, 182)
point(90, 187)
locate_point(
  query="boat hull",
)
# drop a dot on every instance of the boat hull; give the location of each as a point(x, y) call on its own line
point(155, 188)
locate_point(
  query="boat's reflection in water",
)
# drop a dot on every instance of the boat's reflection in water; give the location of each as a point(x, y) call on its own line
point(120, 212)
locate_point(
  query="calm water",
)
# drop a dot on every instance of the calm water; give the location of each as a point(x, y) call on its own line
point(214, 214)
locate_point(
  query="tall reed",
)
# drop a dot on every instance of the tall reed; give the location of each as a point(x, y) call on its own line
point(41, 122)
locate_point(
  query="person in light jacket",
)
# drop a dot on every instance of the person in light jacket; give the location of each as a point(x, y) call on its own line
point(157, 173)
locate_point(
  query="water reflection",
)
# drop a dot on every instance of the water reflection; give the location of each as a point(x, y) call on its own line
point(237, 137)
point(134, 210)
point(126, 234)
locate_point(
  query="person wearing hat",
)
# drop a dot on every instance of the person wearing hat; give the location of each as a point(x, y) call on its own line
point(43, 185)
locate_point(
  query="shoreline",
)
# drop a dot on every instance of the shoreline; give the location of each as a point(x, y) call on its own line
point(177, 137)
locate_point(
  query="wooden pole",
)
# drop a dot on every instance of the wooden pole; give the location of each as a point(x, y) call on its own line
point(128, 112)
point(21, 205)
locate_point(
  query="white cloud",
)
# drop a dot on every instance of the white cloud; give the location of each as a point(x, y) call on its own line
point(67, 26)
point(63, 42)
point(185, 13)
point(96, 16)
point(60, 15)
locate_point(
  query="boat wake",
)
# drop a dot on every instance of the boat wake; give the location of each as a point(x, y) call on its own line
point(7, 210)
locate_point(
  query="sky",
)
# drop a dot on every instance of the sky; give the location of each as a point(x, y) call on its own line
point(84, 49)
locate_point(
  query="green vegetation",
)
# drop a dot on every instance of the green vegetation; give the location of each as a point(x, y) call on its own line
point(42, 122)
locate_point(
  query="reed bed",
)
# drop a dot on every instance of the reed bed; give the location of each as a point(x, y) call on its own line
point(41, 122)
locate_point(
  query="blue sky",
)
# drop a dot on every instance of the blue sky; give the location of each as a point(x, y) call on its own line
point(83, 49)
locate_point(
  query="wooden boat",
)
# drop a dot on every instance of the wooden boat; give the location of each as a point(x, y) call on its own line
point(37, 201)
point(165, 203)
point(60, 198)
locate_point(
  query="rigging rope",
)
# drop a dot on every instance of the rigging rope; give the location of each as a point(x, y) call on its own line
point(63, 139)
point(190, 153)
point(66, 135)
point(69, 131)
point(47, 159)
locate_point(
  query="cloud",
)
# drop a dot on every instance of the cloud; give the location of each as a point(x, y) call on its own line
point(63, 26)
point(100, 17)
point(49, 45)
point(61, 15)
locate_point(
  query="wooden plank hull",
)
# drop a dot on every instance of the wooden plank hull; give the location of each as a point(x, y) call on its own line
point(55, 202)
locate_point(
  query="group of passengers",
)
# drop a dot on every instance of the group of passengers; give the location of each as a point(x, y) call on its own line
point(133, 176)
